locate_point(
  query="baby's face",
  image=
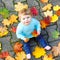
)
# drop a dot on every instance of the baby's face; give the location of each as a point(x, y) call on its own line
point(26, 19)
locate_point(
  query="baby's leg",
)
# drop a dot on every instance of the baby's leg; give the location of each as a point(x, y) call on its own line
point(43, 43)
point(26, 47)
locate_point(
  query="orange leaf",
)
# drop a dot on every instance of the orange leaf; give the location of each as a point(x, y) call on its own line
point(50, 56)
point(58, 12)
point(43, 24)
point(44, 1)
point(17, 47)
point(34, 33)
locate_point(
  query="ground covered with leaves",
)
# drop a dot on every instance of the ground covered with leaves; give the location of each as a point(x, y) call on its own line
point(47, 12)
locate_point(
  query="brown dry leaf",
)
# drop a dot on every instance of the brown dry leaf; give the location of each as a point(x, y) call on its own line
point(56, 50)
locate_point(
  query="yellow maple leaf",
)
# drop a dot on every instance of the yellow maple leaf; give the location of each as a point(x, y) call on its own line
point(13, 19)
point(48, 13)
point(54, 18)
point(48, 57)
point(38, 52)
point(20, 55)
point(9, 58)
point(20, 6)
point(56, 8)
point(47, 7)
point(3, 31)
point(6, 22)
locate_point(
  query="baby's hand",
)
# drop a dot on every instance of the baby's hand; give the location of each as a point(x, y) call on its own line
point(26, 40)
point(38, 33)
point(35, 33)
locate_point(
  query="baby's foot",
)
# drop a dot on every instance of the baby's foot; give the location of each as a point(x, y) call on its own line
point(48, 47)
point(28, 56)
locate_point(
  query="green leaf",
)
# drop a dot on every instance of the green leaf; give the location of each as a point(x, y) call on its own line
point(55, 34)
point(4, 12)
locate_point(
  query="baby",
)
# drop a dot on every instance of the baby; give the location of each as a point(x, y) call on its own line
point(24, 32)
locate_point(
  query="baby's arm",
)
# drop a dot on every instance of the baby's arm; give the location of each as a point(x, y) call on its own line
point(38, 27)
point(20, 34)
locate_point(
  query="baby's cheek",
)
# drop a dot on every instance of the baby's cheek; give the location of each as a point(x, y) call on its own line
point(24, 22)
point(29, 19)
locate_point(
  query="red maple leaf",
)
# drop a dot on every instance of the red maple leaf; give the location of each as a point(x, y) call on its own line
point(34, 11)
point(4, 54)
point(47, 20)
point(13, 29)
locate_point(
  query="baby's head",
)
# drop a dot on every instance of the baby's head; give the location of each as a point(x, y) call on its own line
point(25, 17)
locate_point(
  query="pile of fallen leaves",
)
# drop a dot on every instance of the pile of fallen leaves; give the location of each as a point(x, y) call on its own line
point(11, 20)
point(49, 16)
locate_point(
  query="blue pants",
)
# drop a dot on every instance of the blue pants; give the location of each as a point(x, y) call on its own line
point(40, 39)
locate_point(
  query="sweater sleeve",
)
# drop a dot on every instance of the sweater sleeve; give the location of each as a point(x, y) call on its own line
point(19, 33)
point(37, 24)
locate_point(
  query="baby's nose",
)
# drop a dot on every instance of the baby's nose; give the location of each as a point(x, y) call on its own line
point(26, 19)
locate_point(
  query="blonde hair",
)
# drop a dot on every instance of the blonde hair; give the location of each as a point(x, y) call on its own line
point(24, 12)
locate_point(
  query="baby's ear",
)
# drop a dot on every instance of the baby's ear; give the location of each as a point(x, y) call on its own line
point(19, 14)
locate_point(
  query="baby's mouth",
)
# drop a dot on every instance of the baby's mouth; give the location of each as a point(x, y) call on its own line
point(27, 22)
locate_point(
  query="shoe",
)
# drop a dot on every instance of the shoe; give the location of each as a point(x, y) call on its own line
point(47, 47)
point(28, 56)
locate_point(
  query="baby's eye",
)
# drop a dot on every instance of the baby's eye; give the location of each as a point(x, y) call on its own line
point(28, 17)
point(23, 18)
